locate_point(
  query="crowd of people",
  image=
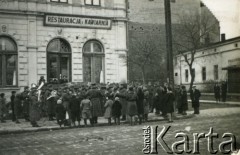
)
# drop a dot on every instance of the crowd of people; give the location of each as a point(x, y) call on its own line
point(69, 105)
point(220, 91)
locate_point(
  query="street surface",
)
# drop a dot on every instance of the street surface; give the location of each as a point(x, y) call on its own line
point(123, 139)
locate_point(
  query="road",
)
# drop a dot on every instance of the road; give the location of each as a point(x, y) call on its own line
point(123, 139)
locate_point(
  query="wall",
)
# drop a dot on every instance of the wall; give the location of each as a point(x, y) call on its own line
point(24, 20)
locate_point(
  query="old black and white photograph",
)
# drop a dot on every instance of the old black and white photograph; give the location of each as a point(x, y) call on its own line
point(119, 77)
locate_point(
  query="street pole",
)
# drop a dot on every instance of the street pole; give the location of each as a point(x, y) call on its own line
point(168, 25)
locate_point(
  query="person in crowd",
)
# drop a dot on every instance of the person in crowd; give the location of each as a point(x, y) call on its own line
point(116, 110)
point(66, 96)
point(224, 91)
point(108, 108)
point(164, 101)
point(170, 104)
point(184, 100)
point(60, 112)
point(217, 91)
point(51, 104)
point(25, 100)
point(41, 84)
point(131, 104)
point(122, 99)
point(156, 102)
point(2, 107)
point(140, 106)
point(86, 107)
point(195, 95)
point(95, 95)
point(34, 107)
point(178, 99)
point(12, 105)
point(18, 107)
point(146, 104)
point(74, 106)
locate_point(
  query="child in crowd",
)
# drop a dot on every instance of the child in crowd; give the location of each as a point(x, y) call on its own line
point(116, 110)
point(108, 106)
point(60, 112)
point(86, 107)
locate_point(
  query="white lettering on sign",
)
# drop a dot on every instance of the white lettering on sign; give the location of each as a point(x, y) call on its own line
point(77, 21)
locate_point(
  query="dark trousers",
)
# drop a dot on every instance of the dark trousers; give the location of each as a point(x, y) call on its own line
point(13, 113)
point(196, 110)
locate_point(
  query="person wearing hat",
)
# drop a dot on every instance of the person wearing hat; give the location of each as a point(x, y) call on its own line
point(195, 95)
point(60, 112)
point(116, 110)
point(34, 107)
point(18, 107)
point(122, 99)
point(131, 97)
point(25, 99)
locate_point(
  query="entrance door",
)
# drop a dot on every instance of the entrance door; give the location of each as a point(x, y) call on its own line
point(93, 62)
point(59, 61)
point(234, 81)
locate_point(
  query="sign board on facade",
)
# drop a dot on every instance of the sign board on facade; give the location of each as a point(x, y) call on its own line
point(77, 21)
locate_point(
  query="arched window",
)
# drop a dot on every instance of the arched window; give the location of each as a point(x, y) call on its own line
point(93, 62)
point(8, 62)
point(58, 61)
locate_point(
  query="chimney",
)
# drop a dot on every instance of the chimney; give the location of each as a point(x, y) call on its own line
point(223, 37)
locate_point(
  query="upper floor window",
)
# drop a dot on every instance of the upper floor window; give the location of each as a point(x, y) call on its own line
point(60, 1)
point(93, 2)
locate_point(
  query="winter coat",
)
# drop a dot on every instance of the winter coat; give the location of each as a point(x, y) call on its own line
point(34, 107)
point(116, 109)
point(108, 111)
point(95, 96)
point(60, 112)
point(131, 103)
point(18, 105)
point(170, 98)
point(184, 100)
point(140, 107)
point(195, 96)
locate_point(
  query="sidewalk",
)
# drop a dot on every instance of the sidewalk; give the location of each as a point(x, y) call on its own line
point(12, 128)
point(214, 102)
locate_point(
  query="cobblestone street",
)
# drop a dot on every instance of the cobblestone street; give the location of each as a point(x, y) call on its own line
point(122, 139)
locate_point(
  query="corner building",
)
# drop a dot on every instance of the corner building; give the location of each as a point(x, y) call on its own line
point(70, 40)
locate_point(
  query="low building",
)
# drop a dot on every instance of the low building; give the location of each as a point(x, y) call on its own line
point(215, 63)
point(62, 40)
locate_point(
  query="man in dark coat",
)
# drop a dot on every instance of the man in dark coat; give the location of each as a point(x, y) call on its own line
point(195, 94)
point(25, 100)
point(224, 91)
point(74, 106)
point(18, 106)
point(217, 92)
point(140, 108)
point(95, 95)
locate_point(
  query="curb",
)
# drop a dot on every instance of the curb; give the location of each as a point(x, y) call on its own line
point(32, 130)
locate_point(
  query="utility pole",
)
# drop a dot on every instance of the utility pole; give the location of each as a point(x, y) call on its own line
point(168, 25)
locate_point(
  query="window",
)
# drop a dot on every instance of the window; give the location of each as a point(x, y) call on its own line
point(193, 73)
point(215, 71)
point(186, 75)
point(58, 61)
point(60, 1)
point(204, 74)
point(8, 62)
point(92, 2)
point(93, 62)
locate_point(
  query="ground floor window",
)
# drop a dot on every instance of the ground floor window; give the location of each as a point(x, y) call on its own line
point(59, 61)
point(93, 62)
point(8, 62)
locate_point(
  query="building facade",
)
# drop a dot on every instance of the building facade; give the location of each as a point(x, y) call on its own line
point(213, 64)
point(62, 40)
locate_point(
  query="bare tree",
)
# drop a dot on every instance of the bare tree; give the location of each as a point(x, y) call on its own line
point(193, 32)
point(144, 51)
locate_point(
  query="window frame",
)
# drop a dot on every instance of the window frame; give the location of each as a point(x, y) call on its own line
point(204, 73)
point(3, 55)
point(215, 72)
point(58, 1)
point(186, 75)
point(92, 4)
